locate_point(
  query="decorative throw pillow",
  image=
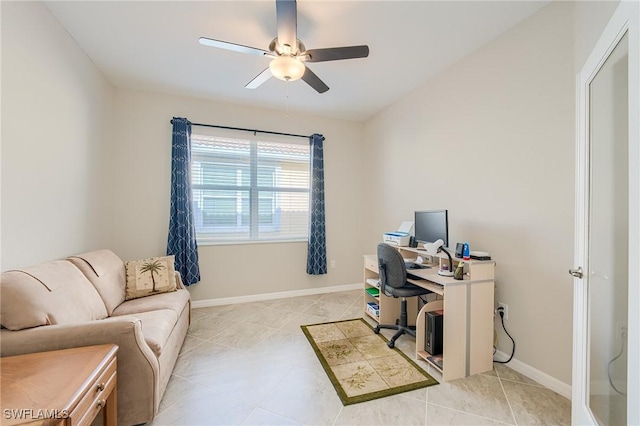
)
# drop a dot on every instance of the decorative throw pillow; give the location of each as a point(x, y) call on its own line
point(150, 276)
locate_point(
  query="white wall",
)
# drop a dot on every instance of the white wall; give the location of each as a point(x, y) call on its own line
point(56, 123)
point(143, 160)
point(590, 18)
point(492, 140)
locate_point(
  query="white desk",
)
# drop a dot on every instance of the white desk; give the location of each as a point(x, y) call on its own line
point(468, 313)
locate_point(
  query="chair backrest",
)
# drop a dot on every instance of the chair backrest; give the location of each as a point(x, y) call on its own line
point(393, 272)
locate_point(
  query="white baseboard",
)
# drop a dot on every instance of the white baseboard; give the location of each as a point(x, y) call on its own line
point(270, 296)
point(534, 374)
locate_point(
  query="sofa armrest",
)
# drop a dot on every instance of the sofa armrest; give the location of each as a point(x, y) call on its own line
point(138, 367)
point(121, 331)
point(179, 283)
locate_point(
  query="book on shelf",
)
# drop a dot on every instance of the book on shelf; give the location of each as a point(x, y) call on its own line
point(373, 291)
point(373, 281)
point(436, 359)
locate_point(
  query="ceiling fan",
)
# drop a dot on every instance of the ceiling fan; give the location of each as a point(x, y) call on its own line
point(288, 53)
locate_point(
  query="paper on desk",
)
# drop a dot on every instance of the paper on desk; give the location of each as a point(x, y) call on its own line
point(406, 226)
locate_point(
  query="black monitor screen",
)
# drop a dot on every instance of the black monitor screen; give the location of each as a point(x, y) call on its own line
point(431, 225)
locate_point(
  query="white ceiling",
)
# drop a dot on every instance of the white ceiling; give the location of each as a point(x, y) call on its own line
point(153, 45)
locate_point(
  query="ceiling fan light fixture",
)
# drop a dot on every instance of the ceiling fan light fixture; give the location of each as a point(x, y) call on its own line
point(288, 54)
point(287, 68)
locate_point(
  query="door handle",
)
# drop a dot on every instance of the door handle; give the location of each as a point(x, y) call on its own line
point(576, 272)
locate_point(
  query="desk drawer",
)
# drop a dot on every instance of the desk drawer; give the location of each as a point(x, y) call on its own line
point(371, 264)
point(95, 397)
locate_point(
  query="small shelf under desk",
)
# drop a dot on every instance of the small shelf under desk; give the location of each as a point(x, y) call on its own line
point(467, 305)
point(389, 308)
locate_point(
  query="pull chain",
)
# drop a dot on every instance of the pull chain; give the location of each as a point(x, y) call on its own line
point(286, 114)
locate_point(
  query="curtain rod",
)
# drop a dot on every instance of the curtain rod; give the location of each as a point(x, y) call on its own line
point(248, 130)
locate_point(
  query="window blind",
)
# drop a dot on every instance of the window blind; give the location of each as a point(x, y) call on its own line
point(249, 190)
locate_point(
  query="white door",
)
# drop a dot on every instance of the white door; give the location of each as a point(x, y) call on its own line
point(606, 352)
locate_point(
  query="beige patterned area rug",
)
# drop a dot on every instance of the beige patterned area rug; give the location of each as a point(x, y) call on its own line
point(360, 364)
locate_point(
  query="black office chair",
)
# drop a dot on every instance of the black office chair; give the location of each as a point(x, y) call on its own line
point(393, 283)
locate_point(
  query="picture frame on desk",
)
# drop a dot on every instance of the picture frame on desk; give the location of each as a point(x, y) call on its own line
point(459, 250)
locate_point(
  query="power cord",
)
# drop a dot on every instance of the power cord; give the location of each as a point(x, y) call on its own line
point(513, 351)
point(624, 340)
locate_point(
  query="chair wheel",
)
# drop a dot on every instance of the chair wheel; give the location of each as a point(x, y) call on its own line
point(391, 344)
point(376, 330)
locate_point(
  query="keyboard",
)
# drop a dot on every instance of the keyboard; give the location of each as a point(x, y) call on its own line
point(412, 265)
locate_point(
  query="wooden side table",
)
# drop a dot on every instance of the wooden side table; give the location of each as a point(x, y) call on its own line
point(66, 387)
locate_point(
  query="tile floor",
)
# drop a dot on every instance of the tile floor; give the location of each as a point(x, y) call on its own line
point(250, 364)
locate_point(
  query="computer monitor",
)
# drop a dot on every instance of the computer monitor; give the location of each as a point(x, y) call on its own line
point(431, 225)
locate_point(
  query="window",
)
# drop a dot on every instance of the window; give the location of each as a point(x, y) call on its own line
point(247, 190)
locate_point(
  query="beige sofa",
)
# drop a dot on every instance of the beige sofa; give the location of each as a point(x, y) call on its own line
point(79, 301)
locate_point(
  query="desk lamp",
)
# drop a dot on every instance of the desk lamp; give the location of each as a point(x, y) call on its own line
point(436, 247)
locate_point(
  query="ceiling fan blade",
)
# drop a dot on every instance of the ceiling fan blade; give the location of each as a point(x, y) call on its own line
point(232, 46)
point(259, 79)
point(336, 53)
point(287, 17)
point(314, 81)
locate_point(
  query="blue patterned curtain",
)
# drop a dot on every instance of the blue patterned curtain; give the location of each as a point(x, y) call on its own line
point(182, 231)
point(317, 252)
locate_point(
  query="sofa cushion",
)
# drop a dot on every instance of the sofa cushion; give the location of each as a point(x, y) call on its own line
point(156, 327)
point(54, 292)
point(176, 301)
point(147, 277)
point(106, 272)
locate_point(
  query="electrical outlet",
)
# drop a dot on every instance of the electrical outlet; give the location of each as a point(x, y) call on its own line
point(333, 263)
point(622, 330)
point(505, 309)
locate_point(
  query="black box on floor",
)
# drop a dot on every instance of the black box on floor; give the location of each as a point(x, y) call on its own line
point(433, 339)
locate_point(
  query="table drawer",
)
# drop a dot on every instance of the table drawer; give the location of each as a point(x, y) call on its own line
point(371, 264)
point(95, 398)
